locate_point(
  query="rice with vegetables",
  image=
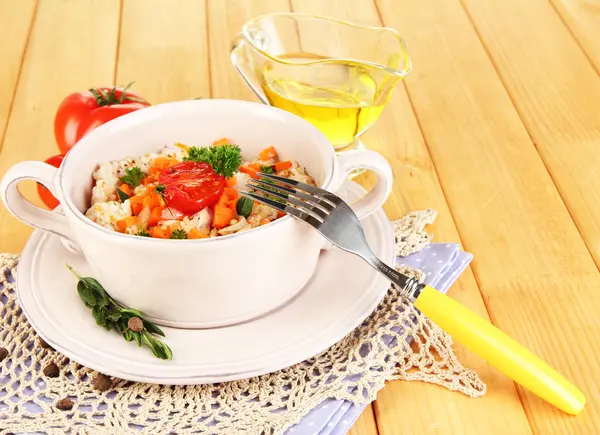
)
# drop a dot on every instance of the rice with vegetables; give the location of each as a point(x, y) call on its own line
point(184, 192)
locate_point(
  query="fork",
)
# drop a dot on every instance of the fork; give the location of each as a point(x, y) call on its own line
point(335, 220)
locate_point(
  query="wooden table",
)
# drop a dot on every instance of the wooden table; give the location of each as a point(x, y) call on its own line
point(497, 128)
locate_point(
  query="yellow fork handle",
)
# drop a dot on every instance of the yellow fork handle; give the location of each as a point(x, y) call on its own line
point(499, 350)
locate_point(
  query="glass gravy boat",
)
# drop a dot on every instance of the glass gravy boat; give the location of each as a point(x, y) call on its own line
point(335, 74)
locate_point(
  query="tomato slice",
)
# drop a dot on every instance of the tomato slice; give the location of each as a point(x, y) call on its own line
point(191, 186)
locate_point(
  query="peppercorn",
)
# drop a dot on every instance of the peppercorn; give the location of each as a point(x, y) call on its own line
point(135, 324)
point(101, 382)
point(65, 404)
point(51, 370)
point(3, 354)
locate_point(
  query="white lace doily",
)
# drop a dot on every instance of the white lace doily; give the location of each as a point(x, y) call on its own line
point(354, 369)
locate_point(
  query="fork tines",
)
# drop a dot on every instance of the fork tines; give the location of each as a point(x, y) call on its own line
point(302, 200)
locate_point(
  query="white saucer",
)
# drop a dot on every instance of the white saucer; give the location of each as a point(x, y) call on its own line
point(342, 293)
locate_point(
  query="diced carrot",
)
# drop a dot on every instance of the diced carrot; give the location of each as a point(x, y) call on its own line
point(155, 216)
point(231, 181)
point(267, 154)
point(265, 221)
point(280, 214)
point(196, 234)
point(157, 199)
point(173, 162)
point(282, 166)
point(125, 189)
point(222, 217)
point(147, 201)
point(121, 225)
point(222, 141)
point(229, 197)
point(254, 166)
point(161, 162)
point(250, 171)
point(159, 233)
point(137, 203)
point(154, 172)
point(182, 146)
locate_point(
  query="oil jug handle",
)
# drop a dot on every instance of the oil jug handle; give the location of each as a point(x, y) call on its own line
point(241, 63)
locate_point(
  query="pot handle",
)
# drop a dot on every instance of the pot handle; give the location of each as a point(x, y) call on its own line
point(24, 210)
point(240, 62)
point(366, 159)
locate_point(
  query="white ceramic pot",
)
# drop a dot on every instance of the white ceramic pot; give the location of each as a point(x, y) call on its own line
point(205, 282)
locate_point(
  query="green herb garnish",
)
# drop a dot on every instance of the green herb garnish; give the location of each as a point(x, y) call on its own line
point(244, 206)
point(160, 189)
point(122, 195)
point(267, 169)
point(109, 314)
point(143, 233)
point(224, 159)
point(178, 234)
point(133, 176)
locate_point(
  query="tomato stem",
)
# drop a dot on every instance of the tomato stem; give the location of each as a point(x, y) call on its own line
point(108, 99)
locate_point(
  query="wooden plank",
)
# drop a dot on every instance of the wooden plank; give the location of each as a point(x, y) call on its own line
point(16, 19)
point(534, 271)
point(365, 425)
point(583, 19)
point(225, 22)
point(77, 53)
point(163, 48)
point(557, 102)
point(398, 137)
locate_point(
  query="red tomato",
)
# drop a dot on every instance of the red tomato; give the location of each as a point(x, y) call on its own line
point(191, 186)
point(45, 195)
point(81, 112)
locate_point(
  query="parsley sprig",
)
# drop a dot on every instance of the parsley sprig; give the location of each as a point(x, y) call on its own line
point(179, 234)
point(112, 315)
point(224, 159)
point(133, 176)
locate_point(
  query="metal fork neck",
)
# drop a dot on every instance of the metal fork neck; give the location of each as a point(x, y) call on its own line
point(409, 287)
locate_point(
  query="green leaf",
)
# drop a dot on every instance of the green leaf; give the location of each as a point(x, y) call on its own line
point(122, 195)
point(86, 294)
point(160, 188)
point(244, 206)
point(98, 314)
point(128, 334)
point(153, 329)
point(138, 338)
point(143, 233)
point(178, 234)
point(267, 169)
point(166, 350)
point(133, 176)
point(113, 316)
point(224, 159)
point(130, 312)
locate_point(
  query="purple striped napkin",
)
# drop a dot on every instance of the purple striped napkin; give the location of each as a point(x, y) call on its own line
point(442, 263)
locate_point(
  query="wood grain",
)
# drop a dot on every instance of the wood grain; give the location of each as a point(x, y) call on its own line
point(556, 92)
point(163, 47)
point(16, 19)
point(398, 137)
point(583, 19)
point(366, 424)
point(60, 59)
point(225, 23)
point(537, 277)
